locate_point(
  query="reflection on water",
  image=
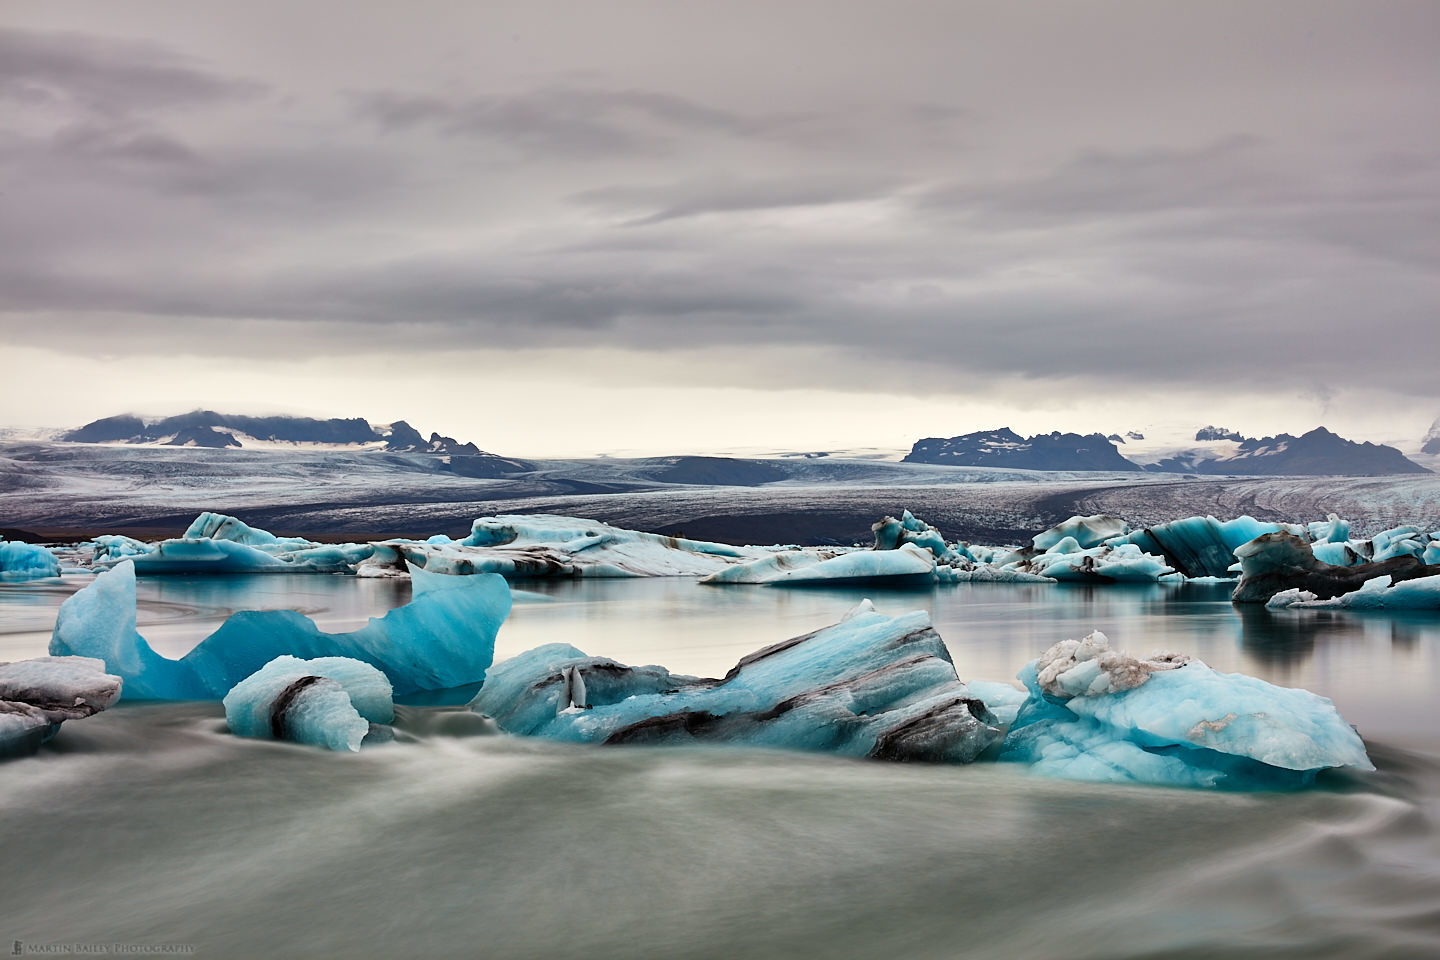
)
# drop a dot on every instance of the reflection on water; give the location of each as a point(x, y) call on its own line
point(515, 848)
point(1380, 668)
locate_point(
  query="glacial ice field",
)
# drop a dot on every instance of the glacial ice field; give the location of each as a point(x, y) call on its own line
point(459, 840)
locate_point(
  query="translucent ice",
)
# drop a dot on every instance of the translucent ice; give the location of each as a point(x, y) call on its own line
point(1097, 714)
point(870, 685)
point(216, 543)
point(328, 701)
point(26, 561)
point(443, 638)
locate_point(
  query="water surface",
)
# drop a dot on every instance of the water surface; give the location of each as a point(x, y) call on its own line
point(150, 824)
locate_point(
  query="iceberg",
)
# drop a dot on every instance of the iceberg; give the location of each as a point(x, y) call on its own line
point(329, 702)
point(38, 695)
point(26, 561)
point(1087, 532)
point(1277, 562)
point(536, 546)
point(891, 534)
point(1379, 593)
point(869, 686)
point(1066, 560)
point(908, 565)
point(216, 543)
point(444, 638)
point(1204, 546)
point(1097, 714)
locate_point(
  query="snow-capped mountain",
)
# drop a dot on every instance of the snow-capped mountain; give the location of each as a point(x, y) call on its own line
point(1317, 453)
point(1006, 448)
point(206, 428)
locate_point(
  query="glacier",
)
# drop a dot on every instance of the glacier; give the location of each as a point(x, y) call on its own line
point(26, 561)
point(869, 686)
point(442, 639)
point(1097, 714)
point(38, 695)
point(328, 701)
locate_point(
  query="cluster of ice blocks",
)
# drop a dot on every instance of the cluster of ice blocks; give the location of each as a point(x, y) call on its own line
point(906, 551)
point(872, 685)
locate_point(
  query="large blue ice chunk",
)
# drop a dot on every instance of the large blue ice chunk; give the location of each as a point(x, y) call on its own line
point(26, 561)
point(1204, 546)
point(870, 685)
point(443, 638)
point(216, 543)
point(1098, 714)
point(328, 701)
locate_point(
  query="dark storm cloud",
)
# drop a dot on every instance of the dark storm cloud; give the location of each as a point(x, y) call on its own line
point(644, 205)
point(551, 119)
point(107, 75)
point(957, 200)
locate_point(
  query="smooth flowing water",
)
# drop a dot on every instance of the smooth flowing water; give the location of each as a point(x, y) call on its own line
point(151, 825)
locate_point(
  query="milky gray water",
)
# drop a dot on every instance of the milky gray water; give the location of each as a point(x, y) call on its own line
point(150, 825)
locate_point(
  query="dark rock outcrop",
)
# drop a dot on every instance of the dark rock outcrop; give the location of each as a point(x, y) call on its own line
point(1006, 448)
point(1275, 562)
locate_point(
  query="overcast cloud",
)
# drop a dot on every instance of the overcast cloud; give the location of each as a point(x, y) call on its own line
point(922, 199)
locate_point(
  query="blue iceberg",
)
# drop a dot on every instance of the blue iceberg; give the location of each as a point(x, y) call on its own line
point(216, 543)
point(26, 561)
point(1204, 546)
point(1379, 593)
point(1097, 714)
point(868, 686)
point(329, 702)
point(444, 638)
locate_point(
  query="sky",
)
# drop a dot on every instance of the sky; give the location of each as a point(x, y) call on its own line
point(562, 229)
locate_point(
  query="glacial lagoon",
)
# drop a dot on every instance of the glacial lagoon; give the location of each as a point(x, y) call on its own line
point(151, 824)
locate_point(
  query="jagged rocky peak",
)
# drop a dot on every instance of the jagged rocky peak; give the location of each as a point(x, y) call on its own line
point(1006, 448)
point(1135, 435)
point(1217, 433)
point(1431, 443)
point(206, 428)
point(1317, 453)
